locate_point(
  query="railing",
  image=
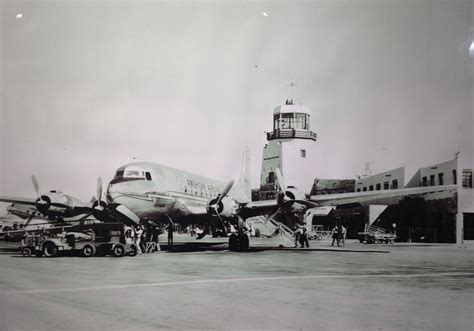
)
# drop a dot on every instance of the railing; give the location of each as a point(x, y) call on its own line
point(318, 233)
point(291, 133)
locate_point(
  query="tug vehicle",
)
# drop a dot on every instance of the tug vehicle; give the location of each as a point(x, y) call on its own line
point(92, 239)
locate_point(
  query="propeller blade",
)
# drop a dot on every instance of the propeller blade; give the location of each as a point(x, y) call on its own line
point(224, 192)
point(99, 189)
point(222, 223)
point(281, 183)
point(36, 186)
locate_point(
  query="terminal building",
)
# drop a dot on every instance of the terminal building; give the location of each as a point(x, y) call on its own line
point(388, 180)
point(439, 174)
point(433, 217)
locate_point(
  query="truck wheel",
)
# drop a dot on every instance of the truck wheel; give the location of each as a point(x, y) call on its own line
point(26, 251)
point(233, 242)
point(133, 251)
point(50, 250)
point(118, 250)
point(88, 251)
point(244, 242)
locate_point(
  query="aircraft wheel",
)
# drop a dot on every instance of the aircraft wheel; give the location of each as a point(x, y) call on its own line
point(26, 251)
point(244, 242)
point(233, 242)
point(88, 251)
point(118, 250)
point(50, 250)
point(133, 250)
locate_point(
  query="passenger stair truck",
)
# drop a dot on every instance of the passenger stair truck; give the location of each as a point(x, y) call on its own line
point(88, 240)
point(373, 234)
point(269, 232)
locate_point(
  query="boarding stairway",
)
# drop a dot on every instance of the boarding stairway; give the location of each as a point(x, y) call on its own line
point(272, 231)
point(374, 234)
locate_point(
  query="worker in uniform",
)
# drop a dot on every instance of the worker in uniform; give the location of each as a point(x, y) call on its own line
point(343, 235)
point(298, 233)
point(304, 237)
point(335, 235)
point(138, 238)
point(170, 230)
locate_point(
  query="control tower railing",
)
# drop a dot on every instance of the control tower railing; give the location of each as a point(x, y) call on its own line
point(291, 133)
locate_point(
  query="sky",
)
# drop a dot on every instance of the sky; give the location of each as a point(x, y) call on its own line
point(87, 86)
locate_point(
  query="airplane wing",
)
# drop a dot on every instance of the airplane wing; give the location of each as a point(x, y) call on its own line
point(256, 208)
point(385, 197)
point(21, 201)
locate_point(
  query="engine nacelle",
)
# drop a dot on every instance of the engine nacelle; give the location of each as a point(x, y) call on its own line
point(227, 207)
point(295, 194)
point(53, 203)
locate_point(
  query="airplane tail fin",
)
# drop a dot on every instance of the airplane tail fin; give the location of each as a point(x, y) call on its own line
point(244, 184)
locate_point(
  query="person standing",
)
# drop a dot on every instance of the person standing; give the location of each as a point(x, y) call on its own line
point(297, 234)
point(138, 238)
point(335, 235)
point(343, 235)
point(304, 238)
point(170, 233)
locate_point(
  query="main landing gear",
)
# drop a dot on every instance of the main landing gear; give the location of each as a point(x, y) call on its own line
point(238, 242)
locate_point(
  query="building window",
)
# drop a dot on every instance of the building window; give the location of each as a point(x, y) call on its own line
point(440, 179)
point(424, 181)
point(364, 189)
point(378, 187)
point(395, 184)
point(385, 186)
point(371, 187)
point(432, 180)
point(358, 190)
point(303, 153)
point(467, 178)
point(455, 177)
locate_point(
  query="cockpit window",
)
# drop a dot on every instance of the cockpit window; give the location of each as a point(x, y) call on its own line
point(148, 175)
point(133, 173)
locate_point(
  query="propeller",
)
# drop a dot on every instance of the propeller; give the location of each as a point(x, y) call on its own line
point(36, 186)
point(281, 183)
point(216, 205)
point(43, 202)
point(99, 207)
point(99, 193)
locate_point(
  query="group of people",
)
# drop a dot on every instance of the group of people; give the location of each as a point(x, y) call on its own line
point(301, 236)
point(339, 235)
point(146, 236)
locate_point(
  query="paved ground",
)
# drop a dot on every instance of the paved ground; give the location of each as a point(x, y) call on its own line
point(411, 287)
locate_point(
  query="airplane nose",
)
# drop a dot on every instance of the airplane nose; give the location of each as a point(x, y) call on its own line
point(111, 193)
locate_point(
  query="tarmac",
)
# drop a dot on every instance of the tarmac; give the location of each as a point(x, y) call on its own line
point(358, 287)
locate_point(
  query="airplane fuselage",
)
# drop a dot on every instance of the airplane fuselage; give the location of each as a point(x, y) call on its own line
point(152, 190)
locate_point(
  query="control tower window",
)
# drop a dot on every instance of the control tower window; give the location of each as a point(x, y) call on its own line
point(301, 121)
point(287, 121)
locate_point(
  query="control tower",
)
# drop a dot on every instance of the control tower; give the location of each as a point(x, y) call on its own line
point(289, 148)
